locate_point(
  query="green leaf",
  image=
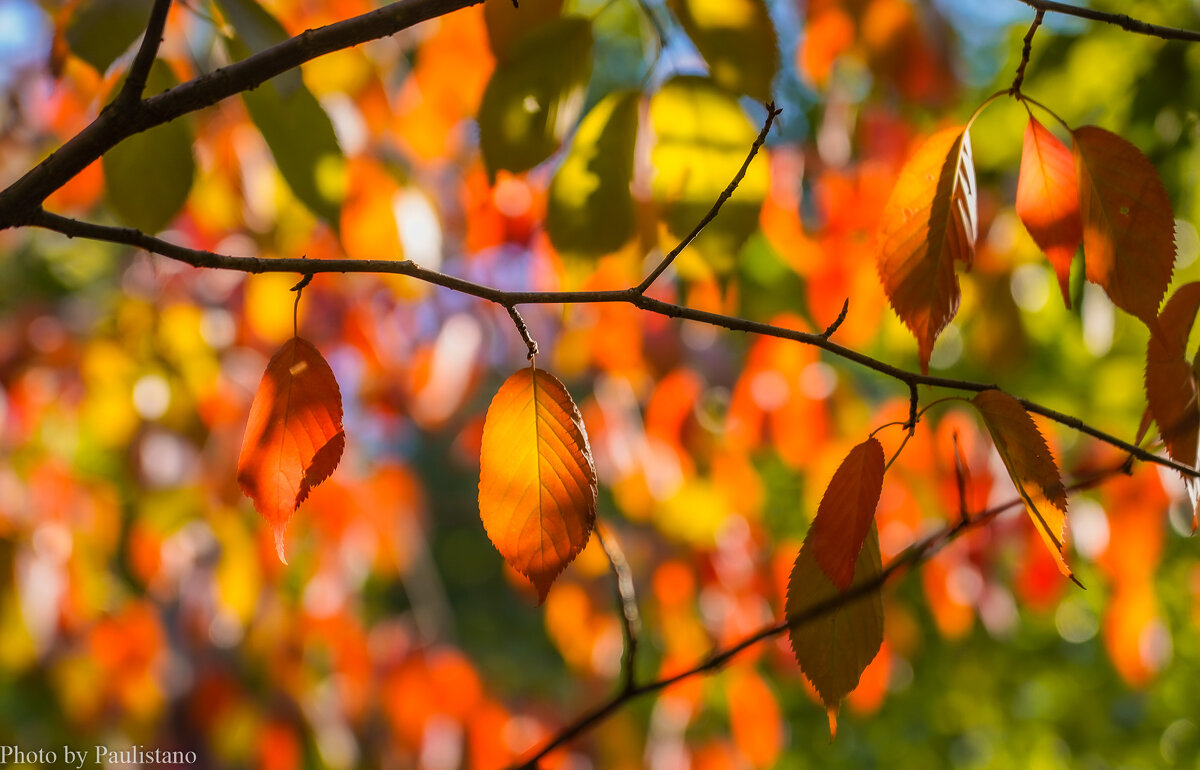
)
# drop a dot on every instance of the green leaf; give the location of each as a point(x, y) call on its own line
point(703, 137)
point(149, 175)
point(101, 30)
point(258, 30)
point(834, 649)
point(301, 137)
point(737, 39)
point(590, 210)
point(535, 96)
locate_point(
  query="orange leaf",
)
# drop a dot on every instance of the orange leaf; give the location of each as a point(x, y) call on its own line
point(537, 483)
point(1128, 227)
point(1030, 465)
point(1048, 200)
point(1171, 382)
point(846, 511)
point(928, 224)
point(294, 436)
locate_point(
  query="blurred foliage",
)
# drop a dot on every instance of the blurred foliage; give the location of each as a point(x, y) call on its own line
point(141, 601)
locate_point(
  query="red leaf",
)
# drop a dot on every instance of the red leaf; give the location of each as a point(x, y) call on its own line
point(928, 224)
point(294, 436)
point(846, 511)
point(1048, 200)
point(537, 483)
point(1030, 465)
point(1128, 227)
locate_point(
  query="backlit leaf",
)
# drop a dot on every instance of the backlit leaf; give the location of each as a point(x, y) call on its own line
point(590, 209)
point(309, 158)
point(1171, 382)
point(737, 39)
point(150, 174)
point(702, 136)
point(1128, 227)
point(1048, 200)
point(294, 437)
point(928, 224)
point(535, 95)
point(846, 512)
point(507, 24)
point(834, 649)
point(98, 31)
point(537, 483)
point(1031, 466)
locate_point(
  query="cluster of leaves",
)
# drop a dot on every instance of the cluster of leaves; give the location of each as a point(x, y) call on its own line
point(543, 147)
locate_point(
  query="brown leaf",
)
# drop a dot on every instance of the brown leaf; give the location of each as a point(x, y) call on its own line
point(928, 224)
point(537, 483)
point(846, 512)
point(834, 649)
point(294, 437)
point(1048, 200)
point(1128, 227)
point(1031, 466)
point(1171, 381)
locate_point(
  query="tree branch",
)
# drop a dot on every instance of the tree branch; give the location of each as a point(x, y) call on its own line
point(913, 556)
point(631, 617)
point(121, 120)
point(197, 258)
point(1117, 19)
point(135, 81)
point(1026, 50)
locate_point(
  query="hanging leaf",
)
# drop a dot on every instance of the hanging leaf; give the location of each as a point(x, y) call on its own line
point(258, 30)
point(846, 512)
point(149, 175)
point(507, 24)
point(590, 210)
point(702, 136)
point(1128, 227)
point(1171, 382)
point(835, 648)
point(1048, 200)
point(1031, 466)
point(310, 160)
point(737, 39)
point(294, 437)
point(98, 31)
point(535, 95)
point(537, 483)
point(928, 224)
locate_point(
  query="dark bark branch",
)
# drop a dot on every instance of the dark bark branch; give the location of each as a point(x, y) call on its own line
point(631, 617)
point(1026, 50)
point(197, 258)
point(1117, 19)
point(135, 81)
point(120, 120)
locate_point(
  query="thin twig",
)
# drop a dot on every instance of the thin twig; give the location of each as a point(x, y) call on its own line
point(631, 618)
point(523, 330)
point(1026, 50)
point(772, 113)
point(833, 327)
point(912, 557)
point(198, 258)
point(1117, 19)
point(960, 477)
point(143, 60)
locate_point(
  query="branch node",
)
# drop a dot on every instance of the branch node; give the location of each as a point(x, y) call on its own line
point(833, 327)
point(523, 330)
point(1015, 89)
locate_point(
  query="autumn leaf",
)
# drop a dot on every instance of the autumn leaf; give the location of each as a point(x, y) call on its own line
point(1031, 466)
point(928, 224)
point(1128, 227)
point(294, 437)
point(846, 512)
point(537, 483)
point(1048, 200)
point(835, 648)
point(1171, 381)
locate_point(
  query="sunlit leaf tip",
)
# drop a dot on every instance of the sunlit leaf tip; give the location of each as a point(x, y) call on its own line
point(294, 437)
point(537, 481)
point(929, 224)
